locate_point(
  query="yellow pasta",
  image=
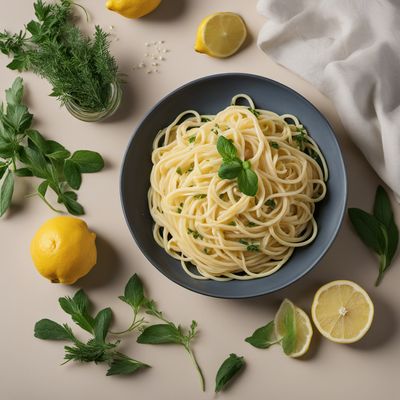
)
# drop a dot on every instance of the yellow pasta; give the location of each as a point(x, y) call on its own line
point(205, 221)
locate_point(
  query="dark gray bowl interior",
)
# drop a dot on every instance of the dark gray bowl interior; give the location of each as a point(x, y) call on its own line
point(209, 95)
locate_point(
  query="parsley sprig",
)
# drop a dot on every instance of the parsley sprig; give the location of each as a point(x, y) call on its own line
point(233, 167)
point(24, 152)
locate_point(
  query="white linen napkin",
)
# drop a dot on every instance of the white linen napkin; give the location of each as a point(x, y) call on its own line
point(350, 50)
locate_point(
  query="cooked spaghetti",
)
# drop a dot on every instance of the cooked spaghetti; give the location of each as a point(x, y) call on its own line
point(215, 230)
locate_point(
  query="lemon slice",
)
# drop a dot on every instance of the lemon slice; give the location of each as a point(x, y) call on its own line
point(302, 326)
point(342, 311)
point(220, 34)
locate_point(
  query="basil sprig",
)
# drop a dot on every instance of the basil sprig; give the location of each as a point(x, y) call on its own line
point(228, 369)
point(233, 167)
point(378, 231)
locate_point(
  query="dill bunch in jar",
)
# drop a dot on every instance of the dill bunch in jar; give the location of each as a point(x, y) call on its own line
point(83, 73)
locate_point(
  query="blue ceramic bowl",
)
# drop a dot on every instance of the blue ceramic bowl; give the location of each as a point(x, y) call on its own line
point(209, 95)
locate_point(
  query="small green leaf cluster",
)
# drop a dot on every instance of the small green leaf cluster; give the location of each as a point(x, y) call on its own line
point(265, 336)
point(378, 231)
point(24, 152)
point(97, 349)
point(79, 68)
point(234, 168)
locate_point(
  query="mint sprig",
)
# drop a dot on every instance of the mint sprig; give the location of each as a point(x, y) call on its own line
point(233, 167)
point(24, 152)
point(378, 231)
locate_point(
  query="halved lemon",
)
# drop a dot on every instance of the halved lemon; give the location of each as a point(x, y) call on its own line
point(303, 327)
point(220, 34)
point(342, 311)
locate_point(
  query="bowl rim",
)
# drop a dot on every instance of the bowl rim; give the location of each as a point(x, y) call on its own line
point(259, 292)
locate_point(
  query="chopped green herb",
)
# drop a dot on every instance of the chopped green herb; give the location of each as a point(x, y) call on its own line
point(195, 234)
point(179, 171)
point(274, 145)
point(252, 224)
point(179, 210)
point(250, 246)
point(200, 196)
point(270, 203)
point(192, 139)
point(206, 250)
point(190, 169)
point(232, 223)
point(205, 119)
point(214, 130)
point(254, 111)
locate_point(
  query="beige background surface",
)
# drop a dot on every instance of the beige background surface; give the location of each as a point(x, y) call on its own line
point(30, 369)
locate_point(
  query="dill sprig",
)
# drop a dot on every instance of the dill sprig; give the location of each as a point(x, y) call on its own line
point(79, 68)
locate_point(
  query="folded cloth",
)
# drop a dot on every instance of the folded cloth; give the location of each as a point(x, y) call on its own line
point(350, 50)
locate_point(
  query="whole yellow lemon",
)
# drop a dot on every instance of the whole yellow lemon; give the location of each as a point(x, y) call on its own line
point(133, 8)
point(64, 249)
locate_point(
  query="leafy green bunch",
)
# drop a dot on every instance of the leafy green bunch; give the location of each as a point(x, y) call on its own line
point(378, 231)
point(24, 152)
point(98, 349)
point(233, 167)
point(80, 69)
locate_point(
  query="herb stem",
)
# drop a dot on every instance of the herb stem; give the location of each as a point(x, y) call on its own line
point(196, 364)
point(134, 325)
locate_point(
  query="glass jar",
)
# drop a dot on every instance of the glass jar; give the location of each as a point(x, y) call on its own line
point(93, 116)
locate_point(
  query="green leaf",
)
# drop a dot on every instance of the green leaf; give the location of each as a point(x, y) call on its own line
point(15, 94)
point(226, 148)
point(6, 192)
point(160, 334)
point(71, 195)
point(6, 148)
point(230, 169)
point(23, 172)
point(263, 337)
point(134, 293)
point(78, 308)
point(50, 330)
point(384, 213)
point(19, 63)
point(59, 155)
point(18, 117)
point(368, 229)
point(88, 161)
point(289, 326)
point(72, 174)
point(228, 369)
point(248, 182)
point(33, 27)
point(72, 205)
point(3, 168)
point(53, 147)
point(102, 324)
point(123, 365)
point(42, 188)
point(36, 162)
point(37, 139)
